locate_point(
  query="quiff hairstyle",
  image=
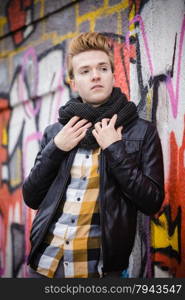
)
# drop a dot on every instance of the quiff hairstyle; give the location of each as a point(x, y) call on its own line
point(88, 41)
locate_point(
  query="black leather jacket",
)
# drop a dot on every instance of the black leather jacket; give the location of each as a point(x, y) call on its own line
point(131, 179)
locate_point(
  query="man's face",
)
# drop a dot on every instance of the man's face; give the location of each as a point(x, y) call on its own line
point(93, 77)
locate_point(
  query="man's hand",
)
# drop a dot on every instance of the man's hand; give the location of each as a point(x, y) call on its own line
point(105, 132)
point(71, 134)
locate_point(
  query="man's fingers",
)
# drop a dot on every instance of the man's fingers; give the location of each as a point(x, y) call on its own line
point(94, 133)
point(78, 132)
point(81, 129)
point(97, 126)
point(87, 125)
point(80, 124)
point(81, 136)
point(113, 121)
point(105, 122)
point(72, 121)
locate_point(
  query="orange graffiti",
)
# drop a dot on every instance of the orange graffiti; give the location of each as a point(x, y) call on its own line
point(175, 198)
point(122, 56)
point(10, 201)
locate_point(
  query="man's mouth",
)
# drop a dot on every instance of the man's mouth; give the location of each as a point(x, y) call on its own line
point(97, 86)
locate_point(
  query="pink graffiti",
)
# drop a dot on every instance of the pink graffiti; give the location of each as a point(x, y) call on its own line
point(28, 106)
point(174, 97)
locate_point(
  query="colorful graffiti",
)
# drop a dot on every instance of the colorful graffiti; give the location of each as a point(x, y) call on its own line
point(23, 10)
point(149, 75)
point(168, 230)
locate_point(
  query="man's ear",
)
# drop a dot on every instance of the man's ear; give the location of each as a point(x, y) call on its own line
point(73, 85)
point(114, 80)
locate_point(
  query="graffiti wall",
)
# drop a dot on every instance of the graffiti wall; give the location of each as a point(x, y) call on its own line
point(148, 38)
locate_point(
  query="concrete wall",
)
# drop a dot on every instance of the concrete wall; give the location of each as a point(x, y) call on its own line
point(149, 52)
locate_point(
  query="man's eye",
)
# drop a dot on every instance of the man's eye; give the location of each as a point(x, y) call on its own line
point(104, 69)
point(84, 71)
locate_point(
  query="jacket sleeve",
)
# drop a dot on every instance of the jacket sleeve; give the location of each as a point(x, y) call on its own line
point(44, 171)
point(142, 182)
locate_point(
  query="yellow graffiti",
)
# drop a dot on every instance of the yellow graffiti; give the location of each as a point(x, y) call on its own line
point(2, 23)
point(16, 170)
point(149, 103)
point(131, 16)
point(4, 137)
point(42, 7)
point(119, 23)
point(105, 10)
point(160, 235)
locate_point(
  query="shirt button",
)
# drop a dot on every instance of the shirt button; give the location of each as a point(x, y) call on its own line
point(72, 220)
point(84, 178)
point(87, 156)
point(78, 199)
point(67, 242)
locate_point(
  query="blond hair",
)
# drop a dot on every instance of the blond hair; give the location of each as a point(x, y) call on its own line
point(88, 41)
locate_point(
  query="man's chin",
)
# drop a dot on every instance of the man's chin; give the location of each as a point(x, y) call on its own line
point(96, 103)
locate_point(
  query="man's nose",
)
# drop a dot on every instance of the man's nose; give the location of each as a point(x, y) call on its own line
point(95, 75)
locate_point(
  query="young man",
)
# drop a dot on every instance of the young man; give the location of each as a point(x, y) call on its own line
point(96, 168)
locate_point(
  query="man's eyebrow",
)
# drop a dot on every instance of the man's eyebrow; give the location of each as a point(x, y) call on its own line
point(84, 67)
point(104, 63)
point(99, 64)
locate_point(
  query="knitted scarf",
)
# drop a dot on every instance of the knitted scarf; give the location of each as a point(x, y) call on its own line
point(116, 104)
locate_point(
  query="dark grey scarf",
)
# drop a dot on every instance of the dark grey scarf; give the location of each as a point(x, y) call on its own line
point(116, 104)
